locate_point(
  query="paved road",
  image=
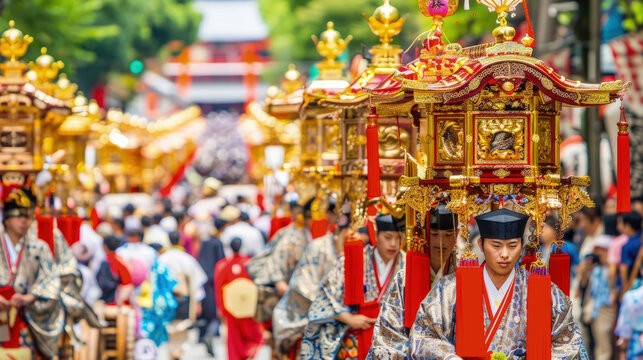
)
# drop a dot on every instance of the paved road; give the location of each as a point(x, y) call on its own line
point(195, 351)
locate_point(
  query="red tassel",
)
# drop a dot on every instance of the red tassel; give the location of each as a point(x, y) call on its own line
point(373, 156)
point(415, 287)
point(353, 272)
point(623, 166)
point(531, 28)
point(527, 260)
point(370, 309)
point(318, 228)
point(469, 326)
point(65, 225)
point(76, 222)
point(46, 230)
point(539, 317)
point(94, 219)
point(372, 235)
point(559, 268)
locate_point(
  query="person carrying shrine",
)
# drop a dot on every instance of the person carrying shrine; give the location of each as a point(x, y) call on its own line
point(290, 316)
point(272, 268)
point(390, 335)
point(501, 310)
point(31, 313)
point(233, 290)
point(337, 330)
point(74, 305)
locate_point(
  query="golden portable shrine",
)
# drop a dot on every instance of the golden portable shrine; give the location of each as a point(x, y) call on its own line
point(321, 141)
point(44, 119)
point(488, 136)
point(133, 152)
point(391, 136)
point(488, 119)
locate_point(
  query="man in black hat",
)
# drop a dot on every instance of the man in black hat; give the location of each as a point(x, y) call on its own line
point(390, 336)
point(29, 285)
point(334, 327)
point(503, 301)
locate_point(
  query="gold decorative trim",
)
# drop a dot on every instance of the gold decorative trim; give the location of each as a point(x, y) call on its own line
point(501, 173)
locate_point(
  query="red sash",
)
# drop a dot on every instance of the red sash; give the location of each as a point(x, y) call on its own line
point(500, 313)
point(371, 309)
point(7, 292)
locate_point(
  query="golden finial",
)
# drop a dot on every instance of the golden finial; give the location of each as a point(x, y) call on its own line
point(292, 80)
point(330, 45)
point(45, 67)
point(385, 22)
point(13, 43)
point(80, 100)
point(504, 32)
point(64, 88)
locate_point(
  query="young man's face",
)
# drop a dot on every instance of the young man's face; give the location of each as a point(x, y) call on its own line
point(388, 244)
point(501, 255)
point(442, 240)
point(18, 225)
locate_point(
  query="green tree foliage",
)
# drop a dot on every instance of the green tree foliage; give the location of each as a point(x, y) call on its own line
point(292, 22)
point(97, 37)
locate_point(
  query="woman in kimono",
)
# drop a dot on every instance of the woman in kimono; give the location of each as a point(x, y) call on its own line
point(31, 314)
point(333, 327)
point(504, 295)
point(390, 336)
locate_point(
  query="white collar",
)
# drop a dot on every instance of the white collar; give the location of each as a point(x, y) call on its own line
point(12, 250)
point(437, 276)
point(383, 268)
point(496, 295)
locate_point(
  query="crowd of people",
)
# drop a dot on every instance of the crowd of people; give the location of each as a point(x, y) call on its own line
point(180, 267)
point(301, 309)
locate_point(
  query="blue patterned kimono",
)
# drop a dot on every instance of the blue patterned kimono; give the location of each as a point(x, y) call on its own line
point(156, 318)
point(324, 335)
point(290, 316)
point(390, 337)
point(277, 262)
point(433, 333)
point(36, 275)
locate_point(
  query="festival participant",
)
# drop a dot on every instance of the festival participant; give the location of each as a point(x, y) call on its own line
point(271, 269)
point(114, 276)
point(245, 337)
point(390, 336)
point(32, 314)
point(134, 248)
point(191, 279)
point(211, 252)
point(290, 316)
point(504, 315)
point(333, 327)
